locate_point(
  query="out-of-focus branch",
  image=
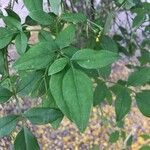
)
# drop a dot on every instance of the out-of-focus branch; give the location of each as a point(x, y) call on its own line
point(72, 6)
point(92, 10)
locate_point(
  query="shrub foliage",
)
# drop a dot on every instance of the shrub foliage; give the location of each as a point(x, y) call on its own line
point(70, 65)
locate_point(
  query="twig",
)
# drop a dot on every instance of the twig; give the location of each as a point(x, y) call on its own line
point(91, 22)
point(11, 84)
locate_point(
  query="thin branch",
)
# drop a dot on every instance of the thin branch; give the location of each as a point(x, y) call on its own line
point(92, 10)
point(11, 84)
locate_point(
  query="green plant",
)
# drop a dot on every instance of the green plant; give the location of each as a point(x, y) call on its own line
point(73, 53)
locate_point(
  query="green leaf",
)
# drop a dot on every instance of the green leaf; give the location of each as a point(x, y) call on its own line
point(2, 63)
point(78, 95)
point(73, 17)
point(122, 104)
point(5, 37)
point(145, 136)
point(8, 124)
point(25, 140)
point(105, 72)
point(56, 90)
point(21, 42)
point(39, 88)
point(66, 37)
point(43, 115)
point(108, 23)
point(92, 73)
point(13, 14)
point(41, 17)
point(49, 101)
point(130, 140)
point(118, 37)
point(55, 6)
point(120, 1)
point(139, 77)
point(12, 23)
point(69, 51)
point(28, 83)
point(143, 102)
point(45, 36)
point(109, 44)
point(129, 4)
point(120, 124)
point(37, 57)
point(100, 92)
point(55, 124)
point(29, 21)
point(145, 147)
point(34, 4)
point(118, 88)
point(57, 66)
point(138, 20)
point(144, 7)
point(145, 44)
point(147, 29)
point(109, 98)
point(5, 94)
point(91, 59)
point(114, 137)
point(145, 57)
